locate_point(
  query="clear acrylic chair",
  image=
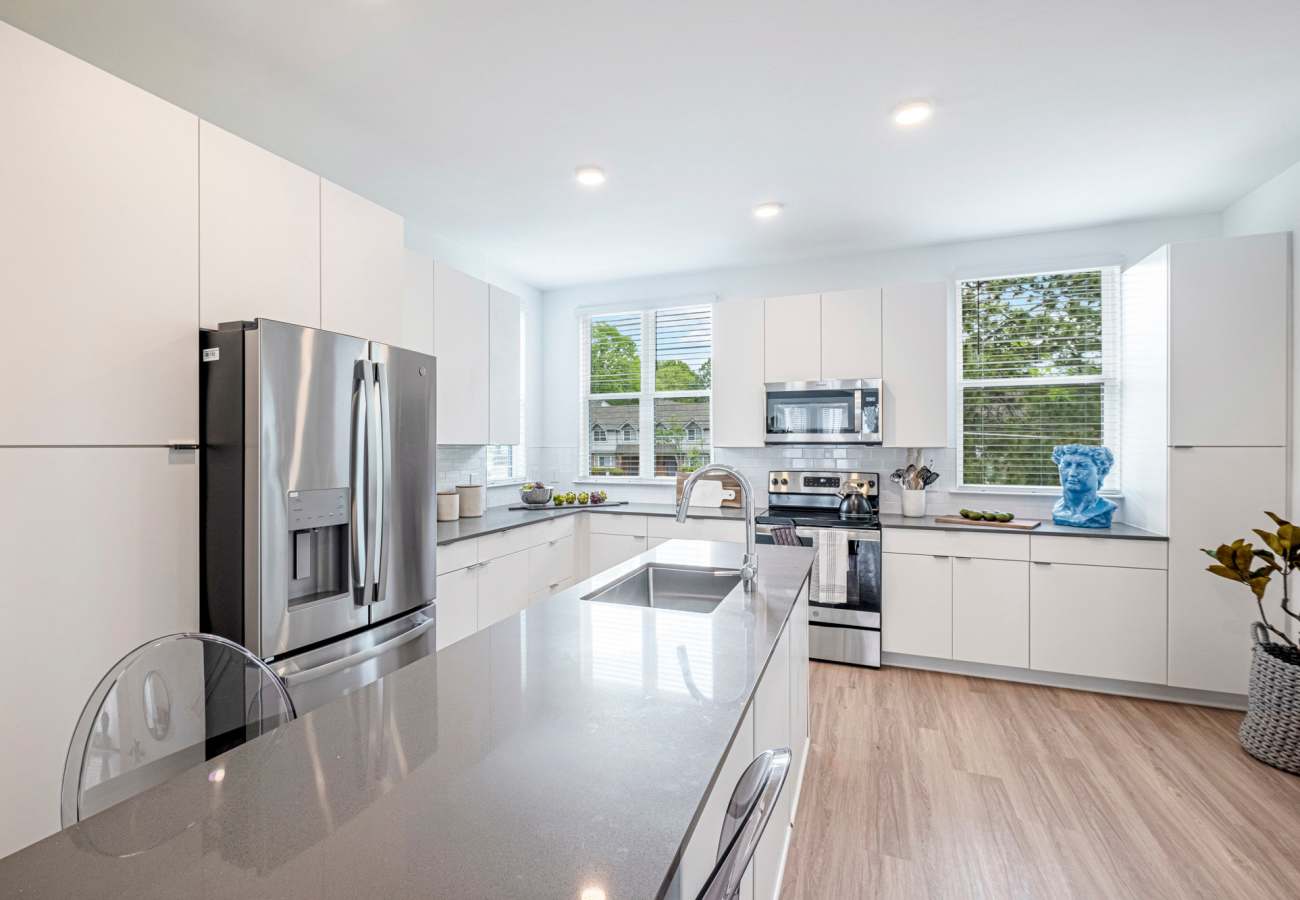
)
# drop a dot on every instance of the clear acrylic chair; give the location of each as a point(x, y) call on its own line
point(751, 805)
point(166, 706)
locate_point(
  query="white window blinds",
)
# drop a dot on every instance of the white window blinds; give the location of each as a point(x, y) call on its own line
point(1037, 367)
point(645, 391)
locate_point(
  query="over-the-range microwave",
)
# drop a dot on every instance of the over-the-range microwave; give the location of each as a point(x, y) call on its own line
point(824, 412)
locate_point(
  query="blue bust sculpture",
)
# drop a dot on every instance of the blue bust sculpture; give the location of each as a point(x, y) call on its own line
point(1082, 470)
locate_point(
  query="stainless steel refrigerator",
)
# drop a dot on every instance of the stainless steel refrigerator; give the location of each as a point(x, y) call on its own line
point(319, 523)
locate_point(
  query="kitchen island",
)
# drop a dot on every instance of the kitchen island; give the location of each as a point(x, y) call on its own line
point(570, 747)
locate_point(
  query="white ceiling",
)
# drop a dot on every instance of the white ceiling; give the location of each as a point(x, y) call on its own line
point(469, 117)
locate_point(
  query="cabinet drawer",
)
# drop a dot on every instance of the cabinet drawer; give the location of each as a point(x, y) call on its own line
point(665, 528)
point(1101, 621)
point(504, 543)
point(457, 606)
point(550, 564)
point(1099, 551)
point(554, 529)
point(938, 542)
point(609, 550)
point(613, 523)
point(457, 556)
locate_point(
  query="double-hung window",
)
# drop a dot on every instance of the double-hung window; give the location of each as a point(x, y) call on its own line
point(645, 392)
point(1037, 366)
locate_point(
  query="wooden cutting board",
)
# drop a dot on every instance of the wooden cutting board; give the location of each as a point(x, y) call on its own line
point(728, 484)
point(1014, 524)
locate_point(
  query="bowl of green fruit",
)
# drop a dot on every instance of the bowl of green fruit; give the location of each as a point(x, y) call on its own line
point(534, 493)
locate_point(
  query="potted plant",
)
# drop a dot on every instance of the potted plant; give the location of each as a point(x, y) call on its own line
point(1271, 729)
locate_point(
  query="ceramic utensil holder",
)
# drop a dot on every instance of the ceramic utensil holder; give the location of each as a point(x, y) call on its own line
point(914, 503)
point(448, 506)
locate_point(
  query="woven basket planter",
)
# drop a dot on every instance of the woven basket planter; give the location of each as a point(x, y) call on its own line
point(1271, 730)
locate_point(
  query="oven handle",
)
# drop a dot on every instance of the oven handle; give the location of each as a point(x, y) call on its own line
point(811, 533)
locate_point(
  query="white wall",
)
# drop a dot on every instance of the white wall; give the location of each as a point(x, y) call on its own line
point(556, 452)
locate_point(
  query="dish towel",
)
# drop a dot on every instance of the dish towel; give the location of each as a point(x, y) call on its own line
point(786, 536)
point(830, 575)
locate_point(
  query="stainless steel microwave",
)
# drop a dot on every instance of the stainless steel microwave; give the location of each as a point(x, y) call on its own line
point(824, 412)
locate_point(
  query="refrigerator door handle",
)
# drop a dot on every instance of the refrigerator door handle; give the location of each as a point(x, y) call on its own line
point(372, 484)
point(359, 537)
point(384, 460)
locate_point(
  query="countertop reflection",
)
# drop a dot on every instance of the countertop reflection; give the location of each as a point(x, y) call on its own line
point(563, 750)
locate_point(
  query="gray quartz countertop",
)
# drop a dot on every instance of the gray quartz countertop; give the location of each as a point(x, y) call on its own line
point(1117, 530)
point(501, 519)
point(559, 750)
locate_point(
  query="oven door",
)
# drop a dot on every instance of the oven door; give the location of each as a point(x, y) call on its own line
point(855, 601)
point(823, 412)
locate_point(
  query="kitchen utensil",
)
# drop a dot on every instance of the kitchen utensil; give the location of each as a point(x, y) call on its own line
point(909, 476)
point(854, 505)
point(707, 493)
point(896, 476)
point(1015, 524)
point(914, 502)
point(931, 478)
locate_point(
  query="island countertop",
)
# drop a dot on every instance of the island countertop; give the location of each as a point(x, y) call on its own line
point(499, 518)
point(561, 749)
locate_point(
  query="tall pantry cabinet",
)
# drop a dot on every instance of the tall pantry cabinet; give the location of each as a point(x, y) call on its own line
point(1216, 314)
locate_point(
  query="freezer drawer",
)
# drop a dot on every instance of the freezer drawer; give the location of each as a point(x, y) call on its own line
point(842, 644)
point(326, 673)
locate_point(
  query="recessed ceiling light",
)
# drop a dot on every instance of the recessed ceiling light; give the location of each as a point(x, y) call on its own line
point(589, 176)
point(913, 112)
point(768, 210)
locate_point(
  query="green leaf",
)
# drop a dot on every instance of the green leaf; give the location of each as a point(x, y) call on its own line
point(1258, 586)
point(1277, 520)
point(1224, 572)
point(1271, 540)
point(1241, 556)
point(1224, 554)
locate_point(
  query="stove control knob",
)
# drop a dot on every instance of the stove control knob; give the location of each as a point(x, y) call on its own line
point(775, 482)
point(785, 481)
point(871, 483)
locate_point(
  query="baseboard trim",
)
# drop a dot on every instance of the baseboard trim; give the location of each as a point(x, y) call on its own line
point(1073, 682)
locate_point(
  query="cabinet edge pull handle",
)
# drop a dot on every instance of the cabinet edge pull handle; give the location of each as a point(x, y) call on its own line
point(1041, 562)
point(940, 555)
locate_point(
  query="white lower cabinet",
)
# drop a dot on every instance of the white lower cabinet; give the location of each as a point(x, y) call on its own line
point(800, 723)
point(611, 549)
point(772, 731)
point(550, 566)
point(916, 605)
point(990, 611)
point(701, 851)
point(1100, 621)
point(502, 587)
point(457, 609)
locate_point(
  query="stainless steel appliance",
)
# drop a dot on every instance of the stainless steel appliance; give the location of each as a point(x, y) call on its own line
point(824, 412)
point(844, 613)
point(318, 528)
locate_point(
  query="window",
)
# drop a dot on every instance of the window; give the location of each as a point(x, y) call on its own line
point(1037, 367)
point(506, 462)
point(646, 392)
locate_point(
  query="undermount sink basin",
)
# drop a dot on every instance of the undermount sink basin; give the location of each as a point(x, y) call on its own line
point(670, 587)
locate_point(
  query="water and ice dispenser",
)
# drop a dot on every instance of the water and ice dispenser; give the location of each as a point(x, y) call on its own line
point(318, 528)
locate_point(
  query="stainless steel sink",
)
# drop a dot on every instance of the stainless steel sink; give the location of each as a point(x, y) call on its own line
point(670, 587)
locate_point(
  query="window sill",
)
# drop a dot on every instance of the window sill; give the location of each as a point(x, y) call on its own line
point(509, 482)
point(1020, 492)
point(662, 481)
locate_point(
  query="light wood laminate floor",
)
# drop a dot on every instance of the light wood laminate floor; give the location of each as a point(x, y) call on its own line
point(921, 784)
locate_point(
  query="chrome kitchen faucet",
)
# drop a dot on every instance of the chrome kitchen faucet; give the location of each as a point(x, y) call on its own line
point(749, 564)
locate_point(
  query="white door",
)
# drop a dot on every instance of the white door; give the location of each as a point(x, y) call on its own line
point(792, 338)
point(99, 234)
point(1102, 621)
point(851, 334)
point(502, 588)
point(914, 335)
point(611, 549)
point(739, 401)
point(460, 336)
point(457, 606)
point(1209, 617)
point(259, 234)
point(916, 605)
point(771, 732)
point(417, 302)
point(503, 368)
point(1225, 369)
point(102, 557)
point(990, 611)
point(363, 265)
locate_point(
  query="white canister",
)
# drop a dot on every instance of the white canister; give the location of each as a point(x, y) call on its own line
point(448, 506)
point(914, 503)
point(472, 500)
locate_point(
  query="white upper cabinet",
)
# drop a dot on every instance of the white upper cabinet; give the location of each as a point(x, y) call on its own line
point(417, 302)
point(851, 334)
point(460, 338)
point(739, 400)
point(362, 264)
point(1209, 617)
point(1228, 334)
point(259, 234)
point(792, 344)
point(99, 235)
point(914, 321)
point(504, 357)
